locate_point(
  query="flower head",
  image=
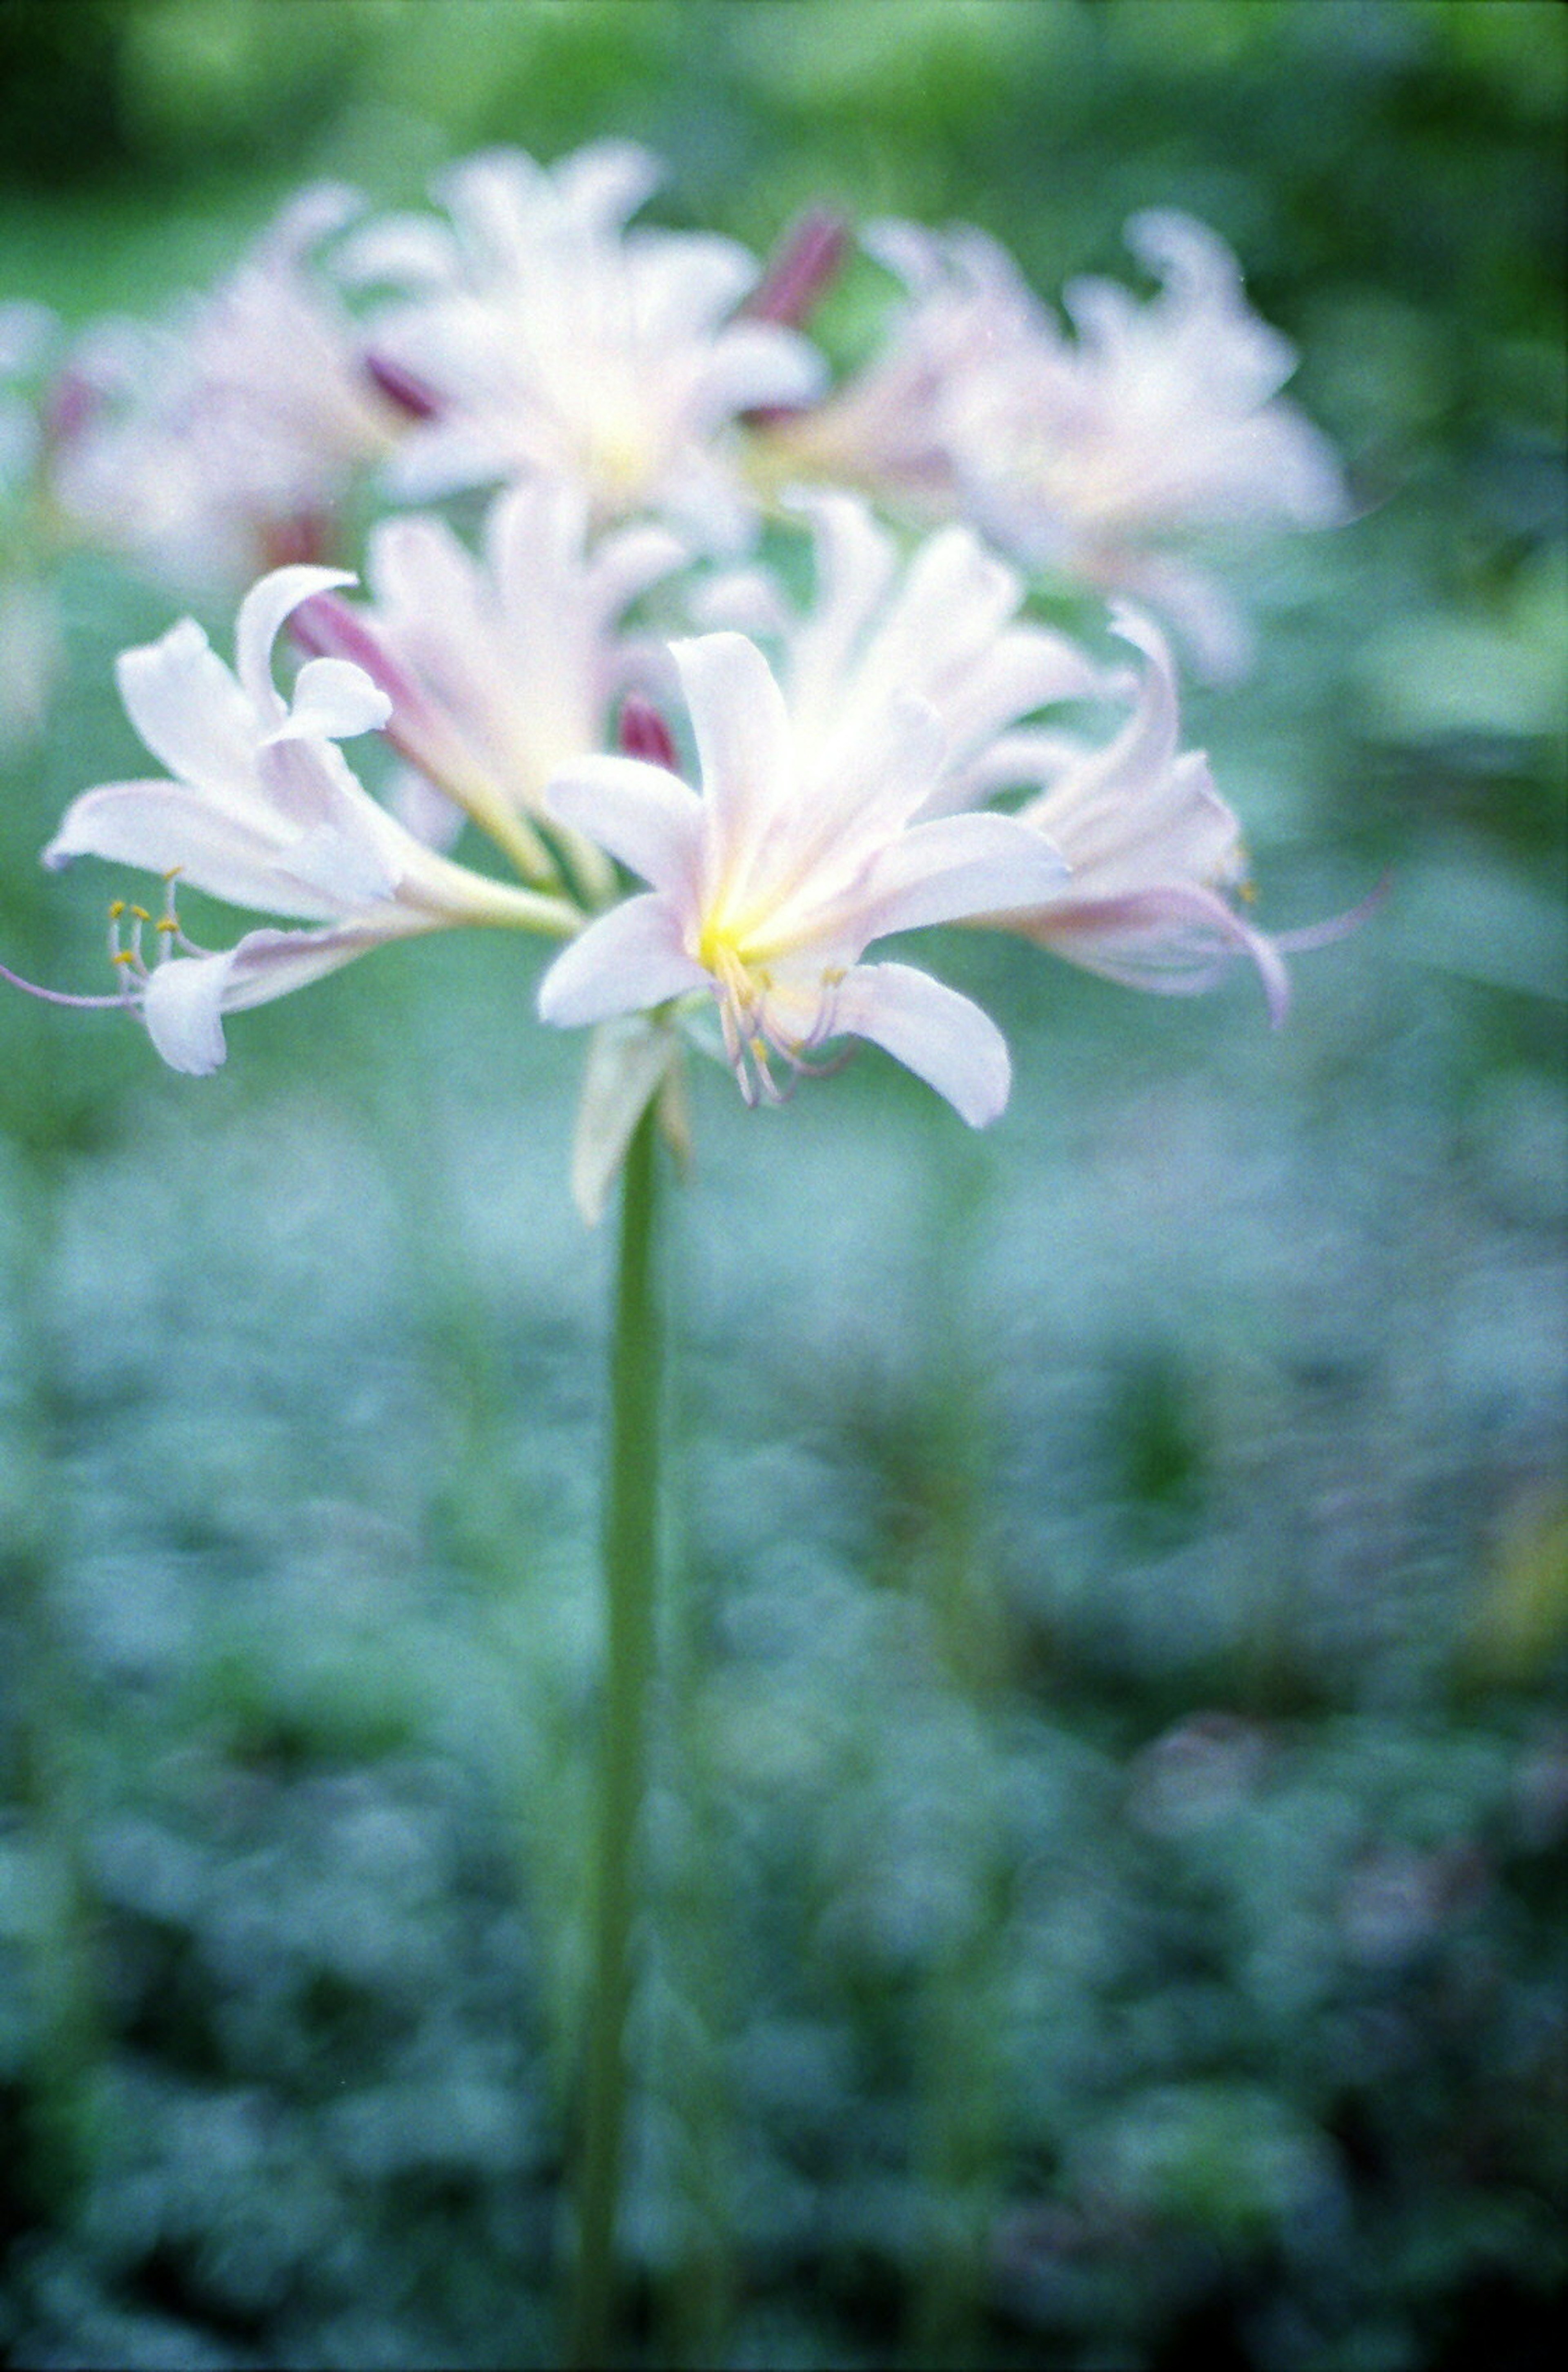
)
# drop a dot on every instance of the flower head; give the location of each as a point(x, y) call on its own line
point(767, 888)
point(1101, 454)
point(554, 338)
point(1155, 852)
point(209, 442)
point(945, 628)
point(500, 670)
point(262, 809)
point(1155, 422)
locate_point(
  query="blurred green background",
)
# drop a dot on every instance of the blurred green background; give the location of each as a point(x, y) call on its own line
point(1113, 1809)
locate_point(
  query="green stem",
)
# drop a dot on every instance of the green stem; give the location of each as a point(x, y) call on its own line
point(630, 1574)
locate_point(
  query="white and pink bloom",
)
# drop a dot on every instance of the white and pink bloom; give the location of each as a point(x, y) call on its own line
point(551, 338)
point(226, 435)
point(262, 809)
point(1155, 854)
point(943, 625)
point(501, 670)
point(768, 886)
point(1103, 454)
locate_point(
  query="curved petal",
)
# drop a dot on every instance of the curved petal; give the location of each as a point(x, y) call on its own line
point(187, 706)
point(959, 865)
point(333, 700)
point(645, 817)
point(182, 1006)
point(184, 999)
point(261, 613)
point(934, 1033)
point(1174, 941)
point(631, 959)
point(167, 828)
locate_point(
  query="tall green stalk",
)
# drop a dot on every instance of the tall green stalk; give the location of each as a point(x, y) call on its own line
point(630, 1560)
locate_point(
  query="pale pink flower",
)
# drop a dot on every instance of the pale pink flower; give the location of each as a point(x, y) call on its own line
point(210, 441)
point(942, 624)
point(884, 429)
point(552, 338)
point(768, 886)
point(263, 811)
point(501, 670)
point(1155, 852)
point(1102, 454)
point(1155, 422)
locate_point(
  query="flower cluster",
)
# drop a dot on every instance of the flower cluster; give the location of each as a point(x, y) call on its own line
point(717, 793)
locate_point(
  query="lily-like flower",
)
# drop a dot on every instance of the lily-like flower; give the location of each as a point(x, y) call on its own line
point(768, 886)
point(1157, 422)
point(884, 429)
point(946, 630)
point(551, 338)
point(263, 811)
point(503, 670)
point(1102, 454)
point(225, 436)
point(1155, 852)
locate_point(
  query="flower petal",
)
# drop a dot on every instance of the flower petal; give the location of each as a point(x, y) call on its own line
point(934, 1033)
point(182, 1006)
point(187, 706)
point(743, 740)
point(645, 816)
point(960, 866)
point(168, 828)
point(627, 1064)
point(630, 958)
point(261, 613)
point(333, 700)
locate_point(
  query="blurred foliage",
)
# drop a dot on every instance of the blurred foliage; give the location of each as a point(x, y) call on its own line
point(1113, 1836)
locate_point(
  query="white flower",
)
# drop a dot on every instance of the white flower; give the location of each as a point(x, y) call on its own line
point(768, 887)
point(946, 630)
point(1157, 422)
point(552, 338)
point(885, 428)
point(263, 811)
point(504, 669)
point(1155, 852)
point(215, 439)
point(1095, 453)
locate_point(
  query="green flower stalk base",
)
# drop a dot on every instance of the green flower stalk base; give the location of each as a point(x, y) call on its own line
point(630, 1557)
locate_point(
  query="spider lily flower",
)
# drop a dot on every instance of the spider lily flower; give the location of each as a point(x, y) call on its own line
point(1155, 423)
point(1155, 852)
point(768, 886)
point(883, 429)
point(263, 811)
point(503, 670)
point(948, 630)
point(1101, 454)
point(226, 435)
point(551, 338)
